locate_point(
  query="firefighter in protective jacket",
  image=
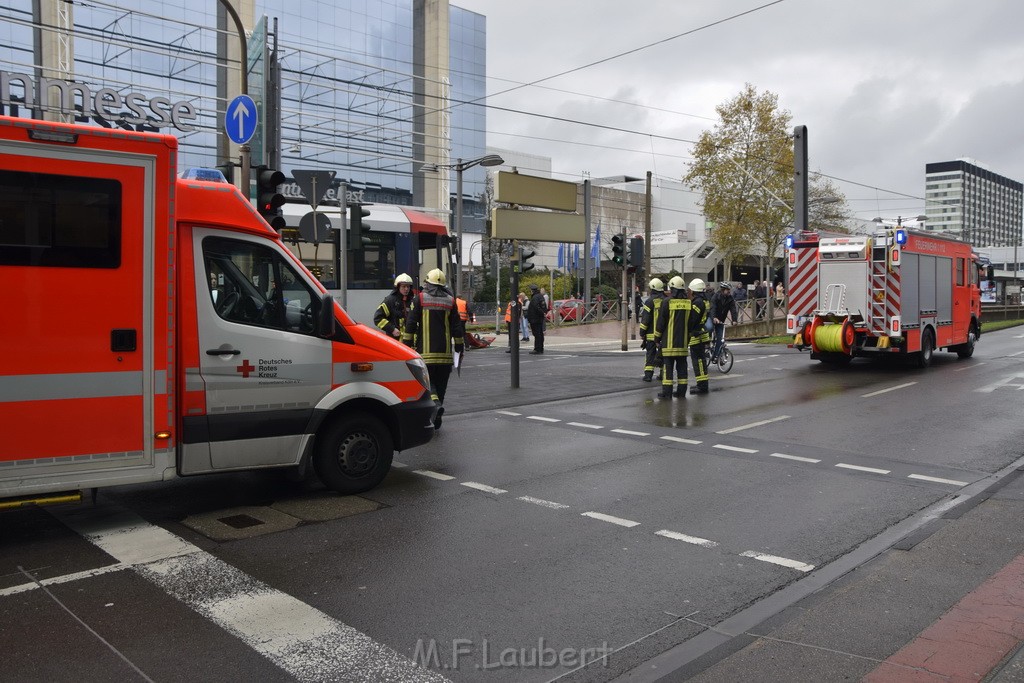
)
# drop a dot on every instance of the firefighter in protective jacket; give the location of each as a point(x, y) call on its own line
point(700, 337)
point(673, 336)
point(390, 315)
point(434, 328)
point(648, 323)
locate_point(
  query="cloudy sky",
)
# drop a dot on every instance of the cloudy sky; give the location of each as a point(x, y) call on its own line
point(884, 86)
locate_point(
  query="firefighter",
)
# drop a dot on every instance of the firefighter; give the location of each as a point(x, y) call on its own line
point(648, 323)
point(390, 315)
point(673, 336)
point(434, 329)
point(700, 337)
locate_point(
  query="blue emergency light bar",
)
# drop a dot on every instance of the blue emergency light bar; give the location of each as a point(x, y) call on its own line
point(789, 241)
point(901, 237)
point(212, 175)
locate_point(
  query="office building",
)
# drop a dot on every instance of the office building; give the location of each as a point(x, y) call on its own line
point(973, 203)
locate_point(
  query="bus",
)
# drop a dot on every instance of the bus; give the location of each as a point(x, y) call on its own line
point(396, 239)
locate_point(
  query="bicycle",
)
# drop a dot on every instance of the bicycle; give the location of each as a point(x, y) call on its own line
point(725, 358)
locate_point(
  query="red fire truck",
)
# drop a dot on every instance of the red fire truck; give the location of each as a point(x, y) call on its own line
point(158, 327)
point(895, 292)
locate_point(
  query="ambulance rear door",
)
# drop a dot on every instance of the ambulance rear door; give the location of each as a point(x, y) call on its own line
point(77, 262)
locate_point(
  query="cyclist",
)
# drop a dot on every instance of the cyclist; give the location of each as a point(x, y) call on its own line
point(722, 306)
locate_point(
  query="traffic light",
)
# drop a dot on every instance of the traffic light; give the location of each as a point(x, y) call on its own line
point(618, 250)
point(524, 260)
point(636, 252)
point(357, 212)
point(268, 199)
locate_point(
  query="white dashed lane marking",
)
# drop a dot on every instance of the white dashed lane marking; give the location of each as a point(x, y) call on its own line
point(798, 458)
point(584, 425)
point(693, 540)
point(937, 480)
point(433, 475)
point(781, 561)
point(737, 449)
point(679, 439)
point(885, 391)
point(610, 519)
point(859, 468)
point(630, 433)
point(753, 424)
point(508, 412)
point(544, 503)
point(483, 487)
point(541, 419)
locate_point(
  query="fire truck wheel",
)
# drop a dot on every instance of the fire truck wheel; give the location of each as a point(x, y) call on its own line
point(966, 350)
point(353, 453)
point(924, 356)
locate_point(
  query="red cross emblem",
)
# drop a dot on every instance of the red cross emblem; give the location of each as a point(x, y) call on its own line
point(245, 368)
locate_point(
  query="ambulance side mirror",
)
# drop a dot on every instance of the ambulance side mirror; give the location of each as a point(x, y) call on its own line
point(325, 324)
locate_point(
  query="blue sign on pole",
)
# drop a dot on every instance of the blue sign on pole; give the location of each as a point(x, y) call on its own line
point(240, 119)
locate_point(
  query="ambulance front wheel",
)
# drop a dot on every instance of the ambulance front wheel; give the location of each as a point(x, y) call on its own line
point(353, 453)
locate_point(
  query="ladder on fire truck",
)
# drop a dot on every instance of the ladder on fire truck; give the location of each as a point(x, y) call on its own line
point(879, 279)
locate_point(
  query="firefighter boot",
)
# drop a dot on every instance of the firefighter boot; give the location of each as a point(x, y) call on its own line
point(437, 418)
point(681, 391)
point(666, 391)
point(648, 374)
point(701, 388)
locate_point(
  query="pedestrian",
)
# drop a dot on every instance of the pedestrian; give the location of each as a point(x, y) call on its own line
point(434, 329)
point(535, 314)
point(722, 306)
point(547, 299)
point(649, 312)
point(513, 317)
point(760, 294)
point(465, 311)
point(780, 293)
point(699, 335)
point(673, 336)
point(391, 313)
point(524, 325)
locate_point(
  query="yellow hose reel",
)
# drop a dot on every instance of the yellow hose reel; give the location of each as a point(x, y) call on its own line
point(834, 337)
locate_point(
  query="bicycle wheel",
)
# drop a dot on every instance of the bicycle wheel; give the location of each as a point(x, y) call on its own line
point(725, 359)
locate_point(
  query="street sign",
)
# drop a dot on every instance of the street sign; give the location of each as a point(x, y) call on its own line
point(538, 226)
point(314, 184)
point(314, 227)
point(240, 119)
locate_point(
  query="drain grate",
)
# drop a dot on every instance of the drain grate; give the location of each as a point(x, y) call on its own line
point(240, 521)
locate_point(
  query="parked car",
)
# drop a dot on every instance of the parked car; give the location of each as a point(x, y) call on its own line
point(568, 309)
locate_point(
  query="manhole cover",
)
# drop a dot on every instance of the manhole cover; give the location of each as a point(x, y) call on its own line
point(240, 521)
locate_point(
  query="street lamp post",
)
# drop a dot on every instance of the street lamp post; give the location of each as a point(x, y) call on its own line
point(459, 166)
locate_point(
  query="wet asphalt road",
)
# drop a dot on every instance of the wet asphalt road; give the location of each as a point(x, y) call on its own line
point(573, 516)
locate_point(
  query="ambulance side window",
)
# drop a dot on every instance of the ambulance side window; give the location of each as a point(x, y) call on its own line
point(259, 287)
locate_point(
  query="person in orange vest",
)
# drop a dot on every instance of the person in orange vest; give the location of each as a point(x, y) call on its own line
point(514, 303)
point(465, 311)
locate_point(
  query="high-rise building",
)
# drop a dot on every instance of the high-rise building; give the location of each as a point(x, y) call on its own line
point(972, 203)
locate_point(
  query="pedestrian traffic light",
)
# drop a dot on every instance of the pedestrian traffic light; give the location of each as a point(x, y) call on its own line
point(524, 260)
point(357, 212)
point(618, 250)
point(636, 252)
point(268, 199)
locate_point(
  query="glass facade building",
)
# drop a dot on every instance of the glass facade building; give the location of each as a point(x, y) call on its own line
point(973, 203)
point(348, 79)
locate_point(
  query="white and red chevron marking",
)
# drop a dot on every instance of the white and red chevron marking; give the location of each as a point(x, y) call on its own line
point(803, 281)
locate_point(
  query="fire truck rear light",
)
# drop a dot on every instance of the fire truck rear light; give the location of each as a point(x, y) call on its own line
point(895, 326)
point(162, 435)
point(790, 324)
point(362, 367)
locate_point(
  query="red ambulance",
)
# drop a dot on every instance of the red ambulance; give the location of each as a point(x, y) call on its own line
point(157, 327)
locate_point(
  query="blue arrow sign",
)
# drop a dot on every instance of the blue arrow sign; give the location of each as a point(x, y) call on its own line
point(240, 119)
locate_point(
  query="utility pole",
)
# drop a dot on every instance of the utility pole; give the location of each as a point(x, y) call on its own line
point(244, 150)
point(647, 229)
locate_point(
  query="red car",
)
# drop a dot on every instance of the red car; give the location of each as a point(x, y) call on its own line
point(567, 310)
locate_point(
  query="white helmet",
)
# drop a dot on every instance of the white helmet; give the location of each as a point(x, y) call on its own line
point(436, 277)
point(656, 285)
point(697, 285)
point(403, 279)
point(677, 283)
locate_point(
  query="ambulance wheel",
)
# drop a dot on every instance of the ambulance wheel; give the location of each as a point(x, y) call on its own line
point(353, 453)
point(924, 356)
